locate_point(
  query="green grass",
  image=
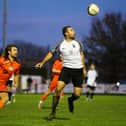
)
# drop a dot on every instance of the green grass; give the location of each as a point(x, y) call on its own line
point(103, 111)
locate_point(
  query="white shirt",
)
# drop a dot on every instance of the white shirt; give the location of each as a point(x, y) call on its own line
point(92, 74)
point(70, 52)
point(12, 77)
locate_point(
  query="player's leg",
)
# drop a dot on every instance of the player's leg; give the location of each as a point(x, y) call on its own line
point(87, 93)
point(55, 99)
point(75, 96)
point(52, 86)
point(77, 79)
point(9, 95)
point(3, 99)
point(63, 79)
point(61, 95)
point(13, 90)
point(43, 98)
point(9, 84)
point(92, 93)
point(9, 98)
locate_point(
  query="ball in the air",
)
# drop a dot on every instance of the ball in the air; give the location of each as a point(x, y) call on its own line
point(93, 9)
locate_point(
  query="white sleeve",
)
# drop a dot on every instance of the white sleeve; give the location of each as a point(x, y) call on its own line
point(56, 48)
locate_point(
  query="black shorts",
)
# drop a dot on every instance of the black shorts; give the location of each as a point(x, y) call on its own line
point(91, 87)
point(9, 83)
point(75, 75)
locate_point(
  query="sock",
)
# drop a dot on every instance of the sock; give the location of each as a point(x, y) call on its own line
point(55, 102)
point(44, 96)
point(74, 97)
point(87, 94)
point(1, 104)
point(92, 94)
point(9, 95)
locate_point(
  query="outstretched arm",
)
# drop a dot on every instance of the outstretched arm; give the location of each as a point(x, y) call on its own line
point(83, 62)
point(46, 58)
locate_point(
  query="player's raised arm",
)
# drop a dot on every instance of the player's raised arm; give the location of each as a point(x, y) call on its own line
point(83, 62)
point(48, 56)
point(82, 58)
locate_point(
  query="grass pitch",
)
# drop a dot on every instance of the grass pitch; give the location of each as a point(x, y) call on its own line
point(102, 111)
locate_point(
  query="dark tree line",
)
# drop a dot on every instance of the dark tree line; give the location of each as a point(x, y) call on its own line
point(106, 45)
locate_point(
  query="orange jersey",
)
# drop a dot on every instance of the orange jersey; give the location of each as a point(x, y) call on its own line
point(57, 65)
point(6, 70)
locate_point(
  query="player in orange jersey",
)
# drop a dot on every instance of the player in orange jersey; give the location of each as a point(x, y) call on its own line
point(8, 66)
point(56, 69)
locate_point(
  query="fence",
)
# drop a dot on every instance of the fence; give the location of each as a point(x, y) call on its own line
point(38, 87)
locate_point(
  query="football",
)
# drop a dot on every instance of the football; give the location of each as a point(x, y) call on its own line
point(93, 9)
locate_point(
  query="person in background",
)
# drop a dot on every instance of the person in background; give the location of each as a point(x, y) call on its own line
point(91, 82)
point(29, 83)
point(56, 70)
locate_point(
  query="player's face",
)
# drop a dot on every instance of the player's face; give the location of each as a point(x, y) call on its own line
point(14, 52)
point(70, 33)
point(92, 66)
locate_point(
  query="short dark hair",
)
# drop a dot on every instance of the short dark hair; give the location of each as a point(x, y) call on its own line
point(65, 29)
point(8, 48)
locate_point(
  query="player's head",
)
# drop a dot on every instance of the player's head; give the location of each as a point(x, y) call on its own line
point(92, 66)
point(11, 51)
point(68, 32)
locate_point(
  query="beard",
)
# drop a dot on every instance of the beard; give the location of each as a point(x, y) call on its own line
point(73, 37)
point(14, 57)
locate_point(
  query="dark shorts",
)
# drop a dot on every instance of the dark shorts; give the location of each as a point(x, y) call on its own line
point(91, 87)
point(75, 75)
point(9, 83)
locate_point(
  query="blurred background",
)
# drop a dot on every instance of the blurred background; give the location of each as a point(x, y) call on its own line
point(35, 26)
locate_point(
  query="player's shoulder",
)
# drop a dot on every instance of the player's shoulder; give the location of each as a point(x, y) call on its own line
point(79, 41)
point(56, 47)
point(61, 42)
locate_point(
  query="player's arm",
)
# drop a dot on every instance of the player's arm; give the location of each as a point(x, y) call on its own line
point(16, 80)
point(16, 77)
point(48, 56)
point(83, 62)
point(82, 58)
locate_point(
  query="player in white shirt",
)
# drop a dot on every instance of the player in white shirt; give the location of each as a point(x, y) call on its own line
point(73, 68)
point(91, 82)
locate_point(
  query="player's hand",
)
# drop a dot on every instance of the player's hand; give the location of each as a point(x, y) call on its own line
point(38, 65)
